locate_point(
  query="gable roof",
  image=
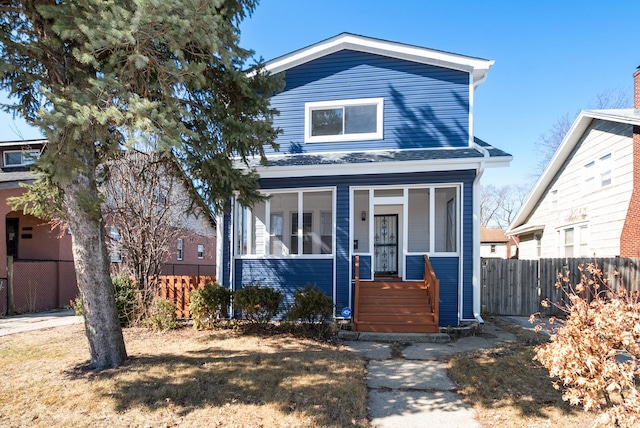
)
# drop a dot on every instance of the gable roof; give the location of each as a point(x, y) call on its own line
point(564, 150)
point(492, 235)
point(476, 67)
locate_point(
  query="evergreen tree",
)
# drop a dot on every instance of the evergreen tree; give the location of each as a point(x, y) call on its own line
point(97, 75)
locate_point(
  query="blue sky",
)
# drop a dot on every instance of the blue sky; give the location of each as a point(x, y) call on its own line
point(551, 57)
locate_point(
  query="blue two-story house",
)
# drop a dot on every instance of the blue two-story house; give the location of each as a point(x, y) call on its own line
point(378, 167)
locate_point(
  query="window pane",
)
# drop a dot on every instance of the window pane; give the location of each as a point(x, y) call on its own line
point(326, 122)
point(276, 246)
point(360, 119)
point(12, 158)
point(446, 220)
point(568, 242)
point(326, 232)
point(282, 204)
point(418, 220)
point(605, 170)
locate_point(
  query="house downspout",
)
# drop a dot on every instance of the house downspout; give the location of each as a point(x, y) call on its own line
point(477, 268)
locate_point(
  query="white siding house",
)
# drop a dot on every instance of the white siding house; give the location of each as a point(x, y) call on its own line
point(579, 205)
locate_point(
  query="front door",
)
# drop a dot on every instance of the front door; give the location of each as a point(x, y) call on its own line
point(385, 244)
point(12, 237)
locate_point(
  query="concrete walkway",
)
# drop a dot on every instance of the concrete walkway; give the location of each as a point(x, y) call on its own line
point(408, 382)
point(28, 322)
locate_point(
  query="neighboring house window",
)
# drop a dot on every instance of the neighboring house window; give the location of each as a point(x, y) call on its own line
point(568, 242)
point(493, 248)
point(538, 238)
point(180, 252)
point(20, 157)
point(344, 120)
point(584, 241)
point(554, 199)
point(598, 173)
point(605, 170)
point(115, 253)
point(273, 227)
point(200, 251)
point(589, 173)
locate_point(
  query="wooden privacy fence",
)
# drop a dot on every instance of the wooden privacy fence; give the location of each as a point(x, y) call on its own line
point(517, 287)
point(177, 288)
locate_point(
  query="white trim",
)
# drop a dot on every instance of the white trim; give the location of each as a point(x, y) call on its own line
point(219, 245)
point(380, 167)
point(321, 105)
point(477, 67)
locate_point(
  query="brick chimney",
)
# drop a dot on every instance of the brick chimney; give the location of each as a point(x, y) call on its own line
point(630, 236)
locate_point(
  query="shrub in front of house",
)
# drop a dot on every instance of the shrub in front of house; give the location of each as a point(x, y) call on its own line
point(128, 300)
point(594, 353)
point(258, 304)
point(163, 315)
point(208, 305)
point(311, 305)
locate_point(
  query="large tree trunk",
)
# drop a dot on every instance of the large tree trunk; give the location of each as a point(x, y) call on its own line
point(102, 327)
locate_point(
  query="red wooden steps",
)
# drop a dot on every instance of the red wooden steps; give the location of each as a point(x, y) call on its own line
point(395, 307)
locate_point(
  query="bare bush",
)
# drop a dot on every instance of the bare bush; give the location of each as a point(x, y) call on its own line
point(594, 352)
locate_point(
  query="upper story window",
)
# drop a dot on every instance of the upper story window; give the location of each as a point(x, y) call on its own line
point(598, 173)
point(345, 120)
point(20, 157)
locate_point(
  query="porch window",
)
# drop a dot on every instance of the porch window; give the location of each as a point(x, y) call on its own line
point(288, 231)
point(344, 120)
point(446, 220)
point(418, 238)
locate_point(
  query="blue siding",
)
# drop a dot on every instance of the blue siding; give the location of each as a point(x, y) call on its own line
point(424, 106)
point(446, 269)
point(365, 267)
point(286, 275)
point(415, 268)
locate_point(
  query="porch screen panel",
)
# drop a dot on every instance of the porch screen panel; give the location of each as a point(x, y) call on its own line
point(418, 239)
point(446, 220)
point(259, 228)
point(282, 205)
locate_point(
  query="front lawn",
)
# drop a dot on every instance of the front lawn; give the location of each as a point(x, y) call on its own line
point(182, 378)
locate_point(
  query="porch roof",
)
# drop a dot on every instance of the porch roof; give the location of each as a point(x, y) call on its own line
point(354, 157)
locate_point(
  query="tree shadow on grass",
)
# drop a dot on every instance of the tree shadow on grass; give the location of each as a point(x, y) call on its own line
point(303, 381)
point(507, 377)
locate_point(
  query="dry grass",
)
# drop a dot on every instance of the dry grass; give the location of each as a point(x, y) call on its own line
point(183, 378)
point(508, 389)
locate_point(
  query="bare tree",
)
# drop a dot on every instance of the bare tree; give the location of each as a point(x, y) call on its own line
point(549, 141)
point(499, 205)
point(147, 207)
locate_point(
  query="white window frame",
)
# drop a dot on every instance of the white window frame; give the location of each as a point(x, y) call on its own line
point(267, 253)
point(180, 249)
point(200, 251)
point(323, 105)
point(605, 169)
point(34, 154)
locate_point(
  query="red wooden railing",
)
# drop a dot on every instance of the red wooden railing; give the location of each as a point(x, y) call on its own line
point(177, 288)
point(433, 287)
point(357, 291)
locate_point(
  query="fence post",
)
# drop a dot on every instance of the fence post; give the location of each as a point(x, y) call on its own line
point(10, 307)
